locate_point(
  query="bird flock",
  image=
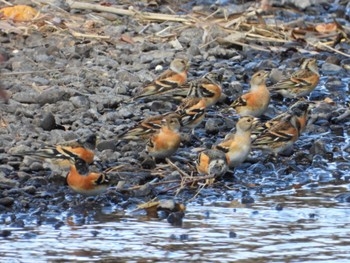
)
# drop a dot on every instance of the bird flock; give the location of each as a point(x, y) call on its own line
point(162, 133)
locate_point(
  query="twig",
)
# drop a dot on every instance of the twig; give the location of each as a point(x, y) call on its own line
point(242, 18)
point(77, 34)
point(29, 72)
point(130, 12)
point(177, 168)
point(330, 48)
point(6, 3)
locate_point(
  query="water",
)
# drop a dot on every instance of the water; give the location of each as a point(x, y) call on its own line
point(311, 227)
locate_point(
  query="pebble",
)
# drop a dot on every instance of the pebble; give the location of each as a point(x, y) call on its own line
point(328, 68)
point(52, 95)
point(48, 122)
point(7, 201)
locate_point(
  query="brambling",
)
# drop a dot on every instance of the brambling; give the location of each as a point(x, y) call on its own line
point(212, 162)
point(192, 111)
point(280, 137)
point(205, 87)
point(237, 146)
point(300, 83)
point(256, 100)
point(82, 181)
point(147, 127)
point(166, 141)
point(299, 109)
point(57, 154)
point(172, 78)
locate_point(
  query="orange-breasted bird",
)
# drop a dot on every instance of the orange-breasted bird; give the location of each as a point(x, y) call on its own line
point(212, 163)
point(207, 86)
point(82, 181)
point(300, 83)
point(147, 127)
point(57, 154)
point(166, 141)
point(256, 100)
point(237, 147)
point(192, 111)
point(172, 78)
point(280, 137)
point(300, 109)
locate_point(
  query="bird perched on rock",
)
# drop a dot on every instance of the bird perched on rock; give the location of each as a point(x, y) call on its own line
point(82, 181)
point(147, 127)
point(192, 111)
point(57, 154)
point(172, 78)
point(280, 136)
point(301, 83)
point(256, 100)
point(165, 141)
point(206, 86)
point(212, 162)
point(300, 109)
point(237, 146)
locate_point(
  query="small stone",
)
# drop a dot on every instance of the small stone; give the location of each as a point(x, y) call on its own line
point(80, 102)
point(343, 197)
point(247, 200)
point(36, 166)
point(176, 218)
point(29, 189)
point(53, 95)
point(25, 97)
point(107, 145)
point(5, 233)
point(328, 68)
point(48, 122)
point(6, 201)
point(232, 234)
point(279, 207)
point(213, 126)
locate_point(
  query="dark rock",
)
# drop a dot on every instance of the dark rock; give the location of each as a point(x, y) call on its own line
point(247, 200)
point(328, 68)
point(279, 207)
point(7, 201)
point(29, 189)
point(53, 95)
point(5, 233)
point(332, 60)
point(107, 145)
point(36, 166)
point(7, 181)
point(213, 126)
point(25, 97)
point(343, 197)
point(334, 84)
point(48, 122)
point(144, 190)
point(80, 102)
point(176, 218)
point(232, 234)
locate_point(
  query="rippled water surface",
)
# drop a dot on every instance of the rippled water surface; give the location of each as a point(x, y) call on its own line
point(311, 227)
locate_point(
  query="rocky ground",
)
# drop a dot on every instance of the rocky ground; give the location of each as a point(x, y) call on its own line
point(62, 86)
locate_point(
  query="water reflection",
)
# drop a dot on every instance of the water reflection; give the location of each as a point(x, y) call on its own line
point(309, 225)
